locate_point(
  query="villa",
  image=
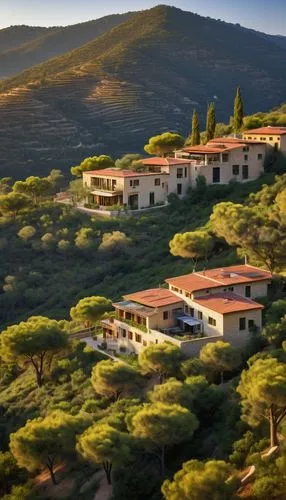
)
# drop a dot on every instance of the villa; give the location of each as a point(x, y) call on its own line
point(197, 308)
point(219, 161)
point(273, 137)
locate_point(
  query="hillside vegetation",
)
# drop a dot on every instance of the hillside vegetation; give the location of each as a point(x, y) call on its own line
point(24, 47)
point(141, 78)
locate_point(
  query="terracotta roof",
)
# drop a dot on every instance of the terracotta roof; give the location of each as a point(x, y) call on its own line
point(216, 147)
point(164, 161)
point(109, 172)
point(155, 297)
point(227, 303)
point(266, 131)
point(233, 140)
point(203, 149)
point(213, 278)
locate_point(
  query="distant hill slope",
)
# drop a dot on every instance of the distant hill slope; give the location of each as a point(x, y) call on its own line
point(22, 46)
point(140, 78)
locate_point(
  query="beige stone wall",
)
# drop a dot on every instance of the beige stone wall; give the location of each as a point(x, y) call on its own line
point(158, 321)
point(173, 179)
point(233, 334)
point(146, 186)
point(270, 139)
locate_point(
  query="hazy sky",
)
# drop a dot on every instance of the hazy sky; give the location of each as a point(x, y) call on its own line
point(264, 15)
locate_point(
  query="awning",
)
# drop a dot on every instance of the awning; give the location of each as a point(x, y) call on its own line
point(107, 194)
point(189, 321)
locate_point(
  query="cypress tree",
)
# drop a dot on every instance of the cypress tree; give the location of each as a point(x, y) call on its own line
point(238, 112)
point(211, 122)
point(195, 137)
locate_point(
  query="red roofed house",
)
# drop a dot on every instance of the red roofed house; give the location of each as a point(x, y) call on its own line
point(225, 159)
point(201, 307)
point(273, 137)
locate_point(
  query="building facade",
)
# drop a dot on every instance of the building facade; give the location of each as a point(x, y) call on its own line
point(201, 307)
point(273, 137)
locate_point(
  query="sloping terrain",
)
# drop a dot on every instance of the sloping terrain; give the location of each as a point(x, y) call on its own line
point(23, 47)
point(142, 77)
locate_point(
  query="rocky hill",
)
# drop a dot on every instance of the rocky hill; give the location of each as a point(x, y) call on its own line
point(22, 46)
point(142, 77)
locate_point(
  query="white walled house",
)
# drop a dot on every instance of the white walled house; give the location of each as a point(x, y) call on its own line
point(220, 161)
point(201, 307)
point(273, 137)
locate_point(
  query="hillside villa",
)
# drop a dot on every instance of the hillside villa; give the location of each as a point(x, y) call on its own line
point(273, 137)
point(219, 161)
point(197, 308)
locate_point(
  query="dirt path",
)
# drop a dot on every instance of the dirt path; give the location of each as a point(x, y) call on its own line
point(104, 491)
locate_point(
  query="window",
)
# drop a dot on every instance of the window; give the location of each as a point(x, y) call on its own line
point(242, 324)
point(166, 315)
point(251, 324)
point(245, 157)
point(216, 175)
point(179, 173)
point(245, 171)
point(230, 289)
point(246, 148)
point(192, 311)
point(248, 291)
point(179, 189)
point(138, 338)
point(249, 137)
point(151, 198)
point(123, 333)
point(134, 182)
point(211, 321)
point(235, 169)
point(225, 157)
point(259, 156)
point(175, 289)
point(200, 315)
point(130, 335)
point(186, 172)
point(270, 138)
point(157, 182)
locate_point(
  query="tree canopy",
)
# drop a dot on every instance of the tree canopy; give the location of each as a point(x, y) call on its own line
point(42, 442)
point(32, 341)
point(160, 359)
point(238, 113)
point(12, 203)
point(263, 391)
point(114, 379)
point(211, 122)
point(164, 144)
point(34, 187)
point(220, 357)
point(93, 163)
point(102, 444)
point(193, 245)
point(195, 137)
point(90, 309)
point(160, 425)
point(198, 480)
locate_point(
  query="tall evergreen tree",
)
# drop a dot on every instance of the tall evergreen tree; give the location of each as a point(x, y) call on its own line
point(238, 111)
point(195, 137)
point(211, 122)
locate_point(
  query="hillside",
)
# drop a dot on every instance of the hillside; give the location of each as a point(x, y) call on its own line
point(23, 47)
point(142, 77)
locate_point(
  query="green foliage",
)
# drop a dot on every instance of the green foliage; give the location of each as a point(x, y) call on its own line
point(164, 144)
point(102, 444)
point(43, 442)
point(160, 425)
point(128, 161)
point(197, 480)
point(12, 203)
point(275, 333)
point(34, 187)
point(93, 163)
point(195, 137)
point(90, 309)
point(238, 113)
point(32, 341)
point(115, 379)
point(160, 359)
point(220, 357)
point(27, 232)
point(263, 391)
point(276, 311)
point(114, 240)
point(9, 472)
point(195, 245)
point(211, 122)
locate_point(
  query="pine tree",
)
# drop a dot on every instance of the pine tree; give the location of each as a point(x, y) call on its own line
point(195, 137)
point(211, 122)
point(238, 112)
